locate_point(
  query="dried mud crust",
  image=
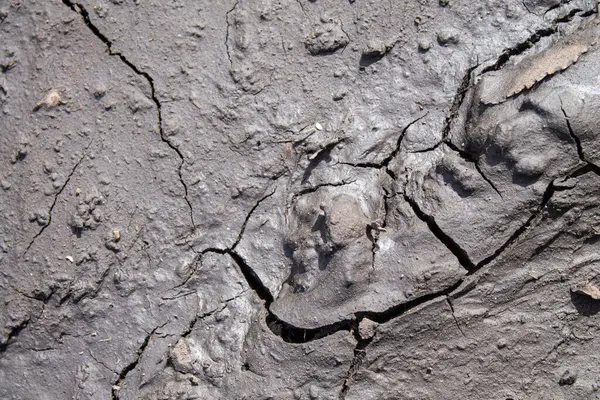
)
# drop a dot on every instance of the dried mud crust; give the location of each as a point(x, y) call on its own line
point(299, 199)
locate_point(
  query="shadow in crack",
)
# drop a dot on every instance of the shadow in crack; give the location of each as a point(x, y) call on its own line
point(585, 305)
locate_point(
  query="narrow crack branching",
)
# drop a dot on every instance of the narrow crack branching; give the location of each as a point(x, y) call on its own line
point(200, 317)
point(303, 9)
point(390, 157)
point(227, 34)
point(13, 333)
point(573, 135)
point(449, 301)
point(471, 159)
point(118, 383)
point(79, 9)
point(100, 362)
point(248, 216)
point(60, 190)
point(550, 189)
point(313, 189)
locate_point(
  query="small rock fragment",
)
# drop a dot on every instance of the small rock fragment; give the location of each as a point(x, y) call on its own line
point(50, 100)
point(375, 48)
point(99, 91)
point(567, 378)
point(447, 37)
point(586, 289)
point(424, 46)
point(327, 39)
point(180, 357)
point(367, 328)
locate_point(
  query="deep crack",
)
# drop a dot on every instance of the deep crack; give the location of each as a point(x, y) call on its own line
point(535, 37)
point(457, 102)
point(580, 152)
point(449, 242)
point(79, 9)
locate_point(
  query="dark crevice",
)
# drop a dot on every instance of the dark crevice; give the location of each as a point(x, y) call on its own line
point(573, 135)
point(252, 278)
point(428, 149)
point(131, 366)
point(360, 352)
point(554, 7)
point(519, 48)
point(459, 97)
point(313, 189)
point(292, 334)
point(459, 252)
point(79, 9)
point(13, 333)
point(54, 203)
point(401, 309)
point(591, 166)
point(535, 37)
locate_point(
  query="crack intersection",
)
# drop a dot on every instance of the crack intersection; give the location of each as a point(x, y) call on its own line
point(81, 11)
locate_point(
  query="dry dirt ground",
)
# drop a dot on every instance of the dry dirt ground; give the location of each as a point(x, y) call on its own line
point(299, 199)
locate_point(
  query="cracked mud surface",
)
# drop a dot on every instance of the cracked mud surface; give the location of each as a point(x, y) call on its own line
point(299, 199)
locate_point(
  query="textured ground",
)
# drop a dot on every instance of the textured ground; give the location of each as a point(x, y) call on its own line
point(299, 199)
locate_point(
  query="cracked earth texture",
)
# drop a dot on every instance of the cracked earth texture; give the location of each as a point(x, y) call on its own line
point(299, 199)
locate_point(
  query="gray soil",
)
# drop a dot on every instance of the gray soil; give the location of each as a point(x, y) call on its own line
point(299, 199)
